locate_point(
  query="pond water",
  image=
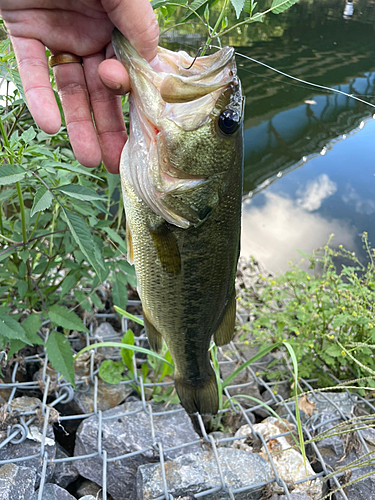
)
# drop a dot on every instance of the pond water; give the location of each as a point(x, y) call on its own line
point(309, 154)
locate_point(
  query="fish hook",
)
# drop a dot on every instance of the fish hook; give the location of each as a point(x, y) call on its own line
point(197, 55)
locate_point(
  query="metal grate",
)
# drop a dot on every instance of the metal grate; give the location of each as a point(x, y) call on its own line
point(63, 394)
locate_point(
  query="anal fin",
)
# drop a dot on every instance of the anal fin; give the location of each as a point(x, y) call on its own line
point(204, 400)
point(155, 338)
point(224, 333)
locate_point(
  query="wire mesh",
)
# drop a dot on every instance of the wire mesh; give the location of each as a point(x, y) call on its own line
point(56, 391)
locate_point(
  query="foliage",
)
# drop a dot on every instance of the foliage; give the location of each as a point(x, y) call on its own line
point(325, 313)
point(61, 232)
point(175, 12)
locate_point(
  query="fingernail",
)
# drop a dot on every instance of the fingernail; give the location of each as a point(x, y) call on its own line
point(111, 85)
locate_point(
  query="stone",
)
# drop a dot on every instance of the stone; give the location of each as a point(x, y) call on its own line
point(198, 472)
point(65, 472)
point(295, 496)
point(361, 490)
point(16, 482)
point(332, 401)
point(123, 434)
point(246, 382)
point(88, 497)
point(91, 489)
point(53, 492)
point(108, 397)
point(288, 461)
point(32, 444)
point(218, 435)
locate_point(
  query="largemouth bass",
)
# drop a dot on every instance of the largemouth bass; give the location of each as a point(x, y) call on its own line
point(181, 175)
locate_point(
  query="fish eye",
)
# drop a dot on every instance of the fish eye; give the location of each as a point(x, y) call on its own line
point(229, 121)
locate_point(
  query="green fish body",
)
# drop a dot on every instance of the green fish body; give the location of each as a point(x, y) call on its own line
point(181, 175)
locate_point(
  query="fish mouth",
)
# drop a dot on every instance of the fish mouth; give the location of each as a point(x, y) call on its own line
point(174, 92)
point(178, 77)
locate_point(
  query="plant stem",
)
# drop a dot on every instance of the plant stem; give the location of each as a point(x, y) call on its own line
point(215, 33)
point(22, 210)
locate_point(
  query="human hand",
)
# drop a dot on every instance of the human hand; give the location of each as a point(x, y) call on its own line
point(81, 27)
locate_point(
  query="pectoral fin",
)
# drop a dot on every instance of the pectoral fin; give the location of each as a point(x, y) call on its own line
point(225, 331)
point(154, 337)
point(166, 247)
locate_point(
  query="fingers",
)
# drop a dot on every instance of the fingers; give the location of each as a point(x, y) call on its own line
point(137, 21)
point(107, 108)
point(34, 73)
point(71, 85)
point(114, 76)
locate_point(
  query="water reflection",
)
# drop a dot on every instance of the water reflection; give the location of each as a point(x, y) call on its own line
point(274, 226)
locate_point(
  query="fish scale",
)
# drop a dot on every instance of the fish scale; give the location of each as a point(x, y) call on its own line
point(185, 239)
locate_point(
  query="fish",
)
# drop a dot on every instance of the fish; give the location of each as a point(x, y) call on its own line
point(181, 174)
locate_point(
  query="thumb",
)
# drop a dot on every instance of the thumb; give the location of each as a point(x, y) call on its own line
point(137, 22)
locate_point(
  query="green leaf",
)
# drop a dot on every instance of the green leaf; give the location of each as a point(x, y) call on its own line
point(76, 169)
point(116, 238)
point(6, 194)
point(31, 325)
point(279, 6)
point(79, 192)
point(155, 4)
point(22, 288)
point(111, 372)
point(167, 370)
point(67, 319)
point(96, 301)
point(121, 346)
point(126, 354)
point(11, 329)
point(10, 174)
point(42, 200)
point(334, 351)
point(69, 282)
point(238, 6)
point(60, 354)
point(195, 5)
point(120, 291)
point(112, 181)
point(82, 235)
point(15, 346)
point(83, 300)
point(129, 316)
point(28, 135)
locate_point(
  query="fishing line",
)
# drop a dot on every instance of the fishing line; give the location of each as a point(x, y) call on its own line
point(304, 81)
point(300, 80)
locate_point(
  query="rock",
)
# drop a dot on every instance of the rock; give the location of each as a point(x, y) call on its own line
point(247, 383)
point(123, 434)
point(341, 400)
point(53, 492)
point(91, 489)
point(361, 490)
point(88, 497)
point(65, 472)
point(198, 472)
point(16, 483)
point(217, 435)
point(32, 444)
point(331, 448)
point(108, 397)
point(295, 496)
point(288, 461)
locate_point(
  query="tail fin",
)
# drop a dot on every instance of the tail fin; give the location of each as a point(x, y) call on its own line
point(204, 400)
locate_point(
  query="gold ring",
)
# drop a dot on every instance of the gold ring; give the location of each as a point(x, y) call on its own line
point(64, 59)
